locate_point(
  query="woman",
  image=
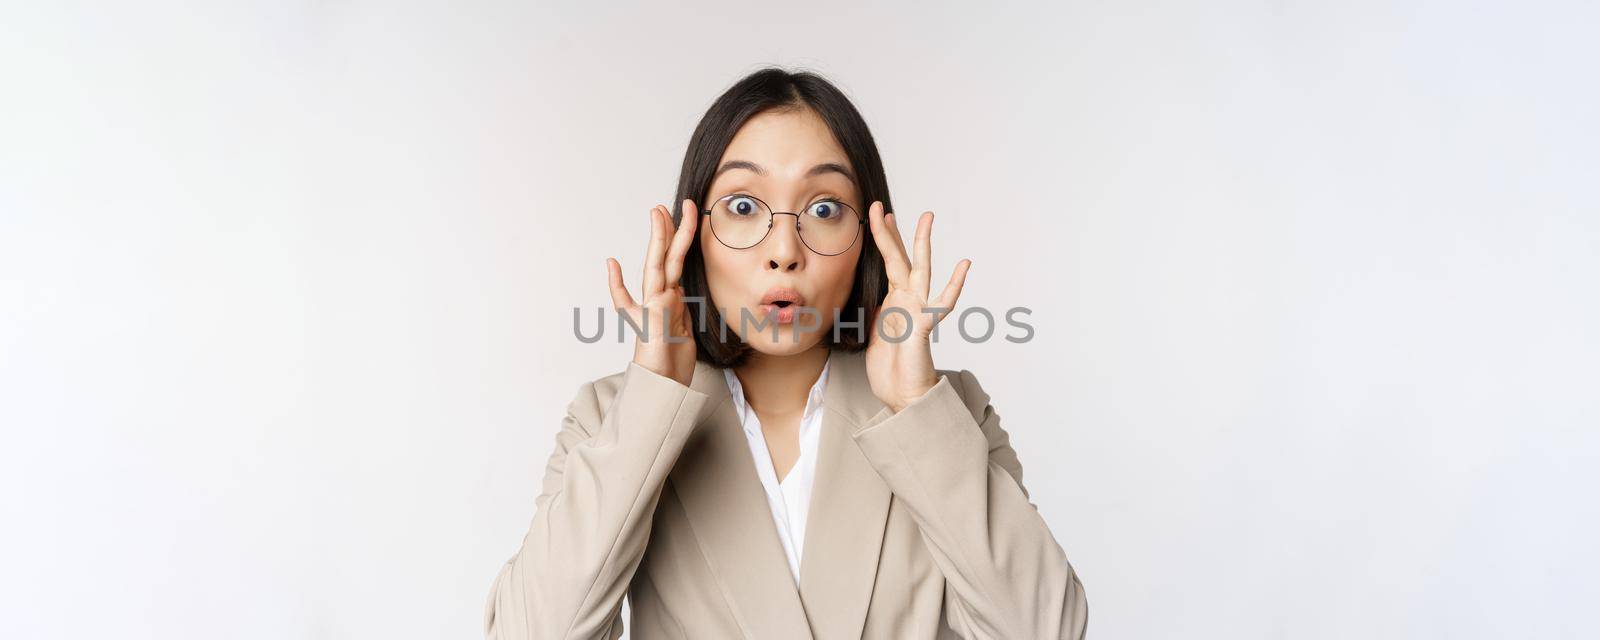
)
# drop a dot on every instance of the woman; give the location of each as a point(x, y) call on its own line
point(783, 460)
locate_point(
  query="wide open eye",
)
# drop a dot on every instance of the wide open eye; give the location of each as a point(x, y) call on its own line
point(825, 210)
point(743, 206)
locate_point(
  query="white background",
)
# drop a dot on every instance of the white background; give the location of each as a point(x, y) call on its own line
point(286, 291)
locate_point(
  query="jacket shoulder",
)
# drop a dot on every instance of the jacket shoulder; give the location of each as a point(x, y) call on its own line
point(593, 398)
point(972, 394)
point(607, 386)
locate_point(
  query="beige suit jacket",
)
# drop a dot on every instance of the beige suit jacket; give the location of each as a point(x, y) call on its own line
point(920, 526)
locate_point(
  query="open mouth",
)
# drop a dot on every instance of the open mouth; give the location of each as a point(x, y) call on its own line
point(785, 296)
point(781, 304)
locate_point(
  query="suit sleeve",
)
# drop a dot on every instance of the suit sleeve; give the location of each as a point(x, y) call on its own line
point(593, 515)
point(947, 459)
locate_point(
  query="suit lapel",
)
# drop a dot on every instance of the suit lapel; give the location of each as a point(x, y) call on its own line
point(849, 506)
point(715, 479)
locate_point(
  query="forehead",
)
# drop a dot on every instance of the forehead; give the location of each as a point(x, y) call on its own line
point(786, 142)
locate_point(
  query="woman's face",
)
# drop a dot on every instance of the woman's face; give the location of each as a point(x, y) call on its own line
point(789, 160)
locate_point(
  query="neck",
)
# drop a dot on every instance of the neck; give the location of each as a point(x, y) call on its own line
point(781, 384)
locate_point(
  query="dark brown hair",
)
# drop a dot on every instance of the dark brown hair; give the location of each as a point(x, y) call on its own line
point(767, 89)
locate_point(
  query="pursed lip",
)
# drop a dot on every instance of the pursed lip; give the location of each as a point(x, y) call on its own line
point(783, 294)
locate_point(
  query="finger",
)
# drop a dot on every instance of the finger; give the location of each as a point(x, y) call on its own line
point(922, 255)
point(952, 289)
point(619, 291)
point(653, 256)
point(893, 258)
point(681, 241)
point(893, 221)
point(900, 245)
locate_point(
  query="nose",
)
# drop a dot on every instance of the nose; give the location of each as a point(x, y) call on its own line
point(784, 250)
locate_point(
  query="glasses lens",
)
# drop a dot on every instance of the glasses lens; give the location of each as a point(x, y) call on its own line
point(740, 221)
point(829, 227)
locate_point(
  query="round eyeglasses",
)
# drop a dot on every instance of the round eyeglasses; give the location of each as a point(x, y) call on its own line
point(827, 226)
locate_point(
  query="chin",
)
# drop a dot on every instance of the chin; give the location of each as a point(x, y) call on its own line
point(786, 344)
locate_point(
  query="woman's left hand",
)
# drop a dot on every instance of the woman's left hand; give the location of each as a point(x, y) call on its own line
point(899, 358)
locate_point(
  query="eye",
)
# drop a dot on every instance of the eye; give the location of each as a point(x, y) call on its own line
point(824, 210)
point(743, 206)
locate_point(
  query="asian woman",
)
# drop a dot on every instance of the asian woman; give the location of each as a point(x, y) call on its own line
point(781, 458)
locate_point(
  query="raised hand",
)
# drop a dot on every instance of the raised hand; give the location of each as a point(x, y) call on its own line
point(666, 342)
point(899, 358)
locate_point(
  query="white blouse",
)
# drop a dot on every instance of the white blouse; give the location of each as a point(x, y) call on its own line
point(791, 498)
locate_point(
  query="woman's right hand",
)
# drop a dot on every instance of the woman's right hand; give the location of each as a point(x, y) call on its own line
point(666, 342)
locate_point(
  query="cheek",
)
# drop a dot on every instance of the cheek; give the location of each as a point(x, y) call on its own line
point(723, 269)
point(840, 277)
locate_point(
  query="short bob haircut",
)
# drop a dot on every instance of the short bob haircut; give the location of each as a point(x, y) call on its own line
point(768, 89)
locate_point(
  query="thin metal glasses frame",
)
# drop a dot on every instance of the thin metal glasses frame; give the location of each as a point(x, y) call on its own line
point(861, 221)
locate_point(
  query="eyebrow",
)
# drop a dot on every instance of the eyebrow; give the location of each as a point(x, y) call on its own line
point(826, 167)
